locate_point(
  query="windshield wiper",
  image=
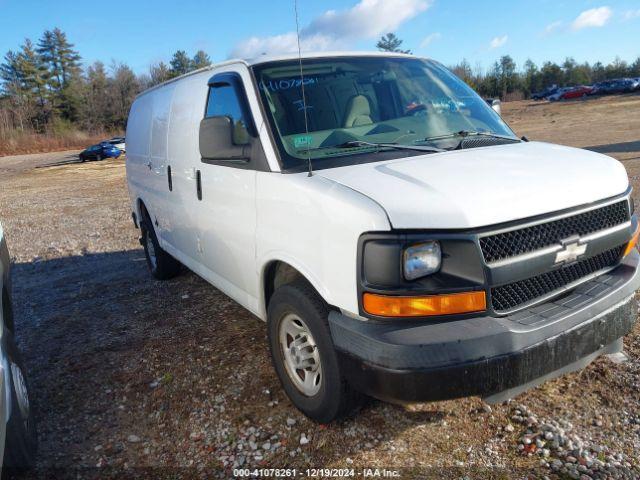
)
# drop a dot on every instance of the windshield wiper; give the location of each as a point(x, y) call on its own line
point(397, 146)
point(467, 133)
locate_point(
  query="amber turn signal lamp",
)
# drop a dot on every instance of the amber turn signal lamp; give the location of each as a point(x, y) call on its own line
point(424, 306)
point(632, 243)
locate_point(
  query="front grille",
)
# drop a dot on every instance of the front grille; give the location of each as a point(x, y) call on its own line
point(516, 242)
point(512, 295)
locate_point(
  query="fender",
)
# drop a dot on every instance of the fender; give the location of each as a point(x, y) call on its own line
point(306, 272)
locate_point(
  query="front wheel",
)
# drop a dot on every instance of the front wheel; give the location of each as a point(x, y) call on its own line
point(303, 354)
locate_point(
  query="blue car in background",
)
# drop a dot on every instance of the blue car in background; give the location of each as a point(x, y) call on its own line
point(100, 152)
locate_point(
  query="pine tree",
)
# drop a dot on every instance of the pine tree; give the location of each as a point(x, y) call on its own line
point(200, 60)
point(36, 75)
point(48, 51)
point(68, 59)
point(180, 63)
point(13, 87)
point(64, 81)
point(35, 79)
point(390, 43)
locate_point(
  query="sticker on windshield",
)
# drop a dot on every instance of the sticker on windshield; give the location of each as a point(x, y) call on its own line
point(302, 141)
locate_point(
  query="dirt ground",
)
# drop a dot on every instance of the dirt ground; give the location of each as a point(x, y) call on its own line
point(132, 377)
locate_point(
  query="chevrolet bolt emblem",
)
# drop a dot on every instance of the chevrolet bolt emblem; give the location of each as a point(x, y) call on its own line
point(571, 252)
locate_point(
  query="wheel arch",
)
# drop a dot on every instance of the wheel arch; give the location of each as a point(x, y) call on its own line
point(142, 211)
point(7, 309)
point(278, 272)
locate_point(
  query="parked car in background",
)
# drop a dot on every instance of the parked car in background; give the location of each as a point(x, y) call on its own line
point(628, 85)
point(620, 85)
point(409, 254)
point(118, 142)
point(544, 93)
point(18, 438)
point(558, 94)
point(100, 152)
point(581, 91)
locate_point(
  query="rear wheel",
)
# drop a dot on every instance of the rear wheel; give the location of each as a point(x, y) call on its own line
point(22, 440)
point(162, 265)
point(303, 354)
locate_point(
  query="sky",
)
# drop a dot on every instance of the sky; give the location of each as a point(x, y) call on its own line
point(141, 32)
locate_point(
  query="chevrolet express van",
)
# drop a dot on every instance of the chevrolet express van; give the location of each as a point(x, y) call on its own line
point(396, 236)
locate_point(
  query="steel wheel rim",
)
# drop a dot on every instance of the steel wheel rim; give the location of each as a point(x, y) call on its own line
point(151, 251)
point(300, 354)
point(22, 394)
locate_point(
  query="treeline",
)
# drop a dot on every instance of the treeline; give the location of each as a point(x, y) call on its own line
point(506, 81)
point(45, 89)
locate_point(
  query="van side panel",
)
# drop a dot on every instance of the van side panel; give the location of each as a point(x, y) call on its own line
point(147, 132)
point(187, 109)
point(138, 137)
point(158, 201)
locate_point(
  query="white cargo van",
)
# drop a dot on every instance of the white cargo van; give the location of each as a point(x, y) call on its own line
point(392, 231)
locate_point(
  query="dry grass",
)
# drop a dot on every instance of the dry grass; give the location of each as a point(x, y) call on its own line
point(17, 142)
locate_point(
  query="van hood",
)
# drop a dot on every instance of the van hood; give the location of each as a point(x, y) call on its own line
point(484, 186)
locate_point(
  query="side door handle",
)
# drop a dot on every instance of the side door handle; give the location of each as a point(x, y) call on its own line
point(198, 184)
point(169, 178)
point(150, 165)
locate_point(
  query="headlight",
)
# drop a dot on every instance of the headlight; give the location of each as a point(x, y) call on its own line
point(421, 260)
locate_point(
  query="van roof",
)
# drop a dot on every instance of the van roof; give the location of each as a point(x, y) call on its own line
point(306, 55)
point(275, 58)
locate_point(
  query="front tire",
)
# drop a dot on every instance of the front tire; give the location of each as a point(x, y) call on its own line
point(161, 265)
point(22, 440)
point(304, 356)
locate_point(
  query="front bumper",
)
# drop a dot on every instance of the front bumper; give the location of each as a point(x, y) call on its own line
point(407, 361)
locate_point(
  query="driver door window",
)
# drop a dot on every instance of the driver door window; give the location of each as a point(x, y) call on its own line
point(223, 102)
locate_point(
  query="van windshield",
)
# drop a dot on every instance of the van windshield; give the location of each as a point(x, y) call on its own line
point(354, 102)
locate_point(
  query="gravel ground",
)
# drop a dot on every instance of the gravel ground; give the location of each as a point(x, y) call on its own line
point(137, 378)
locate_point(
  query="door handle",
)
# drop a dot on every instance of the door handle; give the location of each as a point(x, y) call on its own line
point(149, 164)
point(169, 179)
point(198, 184)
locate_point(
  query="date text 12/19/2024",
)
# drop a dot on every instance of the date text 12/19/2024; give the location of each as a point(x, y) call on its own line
point(315, 473)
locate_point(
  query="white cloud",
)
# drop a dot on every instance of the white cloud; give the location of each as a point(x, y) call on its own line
point(552, 27)
point(631, 14)
point(368, 19)
point(498, 41)
point(429, 39)
point(595, 17)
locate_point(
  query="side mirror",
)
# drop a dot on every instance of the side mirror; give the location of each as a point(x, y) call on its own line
point(497, 106)
point(221, 140)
